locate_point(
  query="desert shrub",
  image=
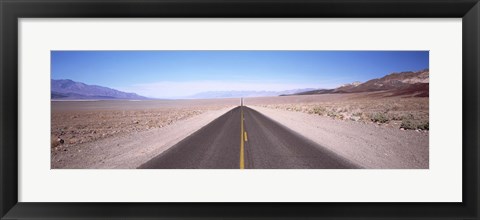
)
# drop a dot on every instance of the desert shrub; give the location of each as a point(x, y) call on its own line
point(408, 124)
point(357, 114)
point(424, 125)
point(396, 117)
point(380, 118)
point(414, 125)
point(332, 114)
point(408, 116)
point(319, 110)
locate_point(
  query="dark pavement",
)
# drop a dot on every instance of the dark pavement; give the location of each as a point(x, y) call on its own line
point(267, 145)
point(271, 145)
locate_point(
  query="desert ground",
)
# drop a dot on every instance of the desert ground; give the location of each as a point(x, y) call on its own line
point(111, 134)
point(369, 130)
point(403, 112)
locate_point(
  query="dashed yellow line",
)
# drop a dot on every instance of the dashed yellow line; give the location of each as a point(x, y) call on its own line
point(246, 138)
point(242, 159)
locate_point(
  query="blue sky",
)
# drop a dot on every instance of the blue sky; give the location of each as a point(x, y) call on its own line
point(169, 74)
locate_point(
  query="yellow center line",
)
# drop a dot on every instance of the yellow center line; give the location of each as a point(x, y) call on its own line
point(246, 138)
point(242, 160)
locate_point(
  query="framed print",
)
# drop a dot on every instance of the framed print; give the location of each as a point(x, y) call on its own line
point(227, 109)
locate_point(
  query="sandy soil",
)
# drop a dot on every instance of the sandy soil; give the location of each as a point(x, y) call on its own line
point(130, 150)
point(77, 122)
point(366, 144)
point(409, 113)
point(124, 134)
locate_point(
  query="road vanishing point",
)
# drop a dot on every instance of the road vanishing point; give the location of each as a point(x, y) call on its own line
point(246, 139)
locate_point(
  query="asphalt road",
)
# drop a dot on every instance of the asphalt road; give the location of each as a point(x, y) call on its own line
point(260, 143)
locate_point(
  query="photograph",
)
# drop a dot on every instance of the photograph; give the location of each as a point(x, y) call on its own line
point(203, 109)
point(239, 109)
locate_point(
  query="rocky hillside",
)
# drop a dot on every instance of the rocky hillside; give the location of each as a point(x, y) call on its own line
point(69, 89)
point(405, 83)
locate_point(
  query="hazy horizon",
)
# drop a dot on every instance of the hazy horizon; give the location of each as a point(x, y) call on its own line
point(182, 74)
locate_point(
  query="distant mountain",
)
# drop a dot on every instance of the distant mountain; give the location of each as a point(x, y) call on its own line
point(313, 92)
point(404, 83)
point(69, 89)
point(238, 94)
point(394, 81)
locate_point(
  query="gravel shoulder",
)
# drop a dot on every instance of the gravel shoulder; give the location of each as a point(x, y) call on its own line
point(130, 150)
point(366, 144)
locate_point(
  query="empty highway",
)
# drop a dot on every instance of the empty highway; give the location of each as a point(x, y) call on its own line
point(245, 139)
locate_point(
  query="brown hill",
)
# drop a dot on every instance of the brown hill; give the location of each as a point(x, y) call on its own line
point(394, 81)
point(414, 84)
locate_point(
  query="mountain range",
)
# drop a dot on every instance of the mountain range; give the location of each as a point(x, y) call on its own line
point(239, 94)
point(67, 89)
point(404, 83)
point(396, 84)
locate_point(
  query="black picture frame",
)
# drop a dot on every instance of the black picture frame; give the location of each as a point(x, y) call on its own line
point(12, 10)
